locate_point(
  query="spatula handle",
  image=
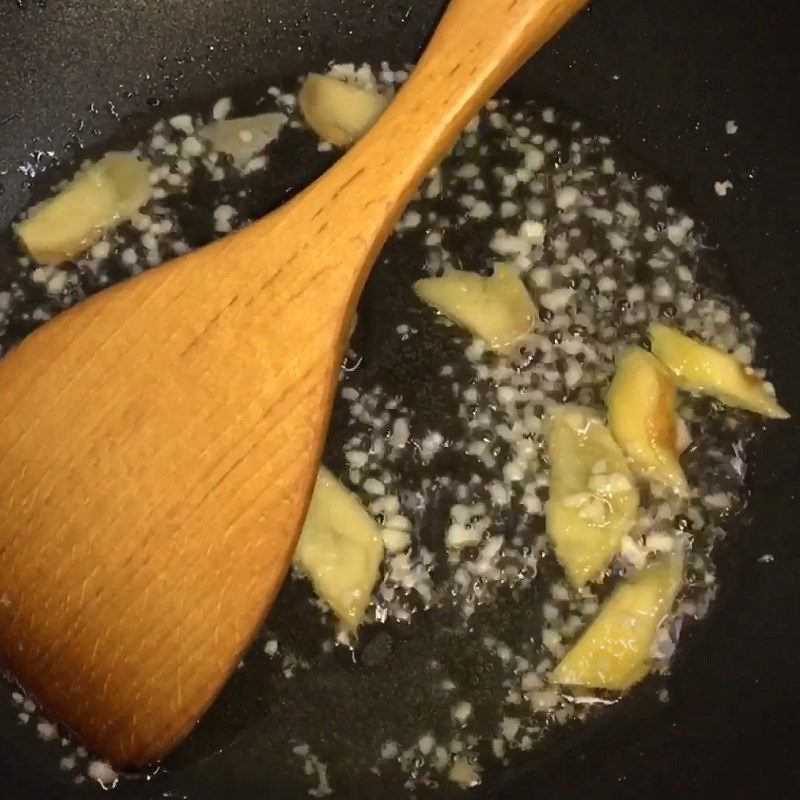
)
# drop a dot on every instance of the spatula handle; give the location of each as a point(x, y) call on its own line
point(477, 46)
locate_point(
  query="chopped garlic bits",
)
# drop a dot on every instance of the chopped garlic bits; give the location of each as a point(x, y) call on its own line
point(593, 499)
point(706, 370)
point(497, 309)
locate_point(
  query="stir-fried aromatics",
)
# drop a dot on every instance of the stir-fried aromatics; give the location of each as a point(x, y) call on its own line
point(463, 538)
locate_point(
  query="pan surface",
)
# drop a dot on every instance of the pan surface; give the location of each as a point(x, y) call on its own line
point(663, 79)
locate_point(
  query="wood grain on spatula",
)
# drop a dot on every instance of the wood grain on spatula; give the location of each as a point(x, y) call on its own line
point(159, 442)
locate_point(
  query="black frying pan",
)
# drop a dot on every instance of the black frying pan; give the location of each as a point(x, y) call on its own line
point(662, 77)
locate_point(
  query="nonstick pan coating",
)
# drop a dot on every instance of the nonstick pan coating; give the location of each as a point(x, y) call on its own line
point(662, 78)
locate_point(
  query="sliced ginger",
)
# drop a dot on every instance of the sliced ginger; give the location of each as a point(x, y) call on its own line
point(339, 112)
point(243, 137)
point(97, 199)
point(497, 309)
point(593, 499)
point(642, 418)
point(707, 370)
point(615, 650)
point(340, 549)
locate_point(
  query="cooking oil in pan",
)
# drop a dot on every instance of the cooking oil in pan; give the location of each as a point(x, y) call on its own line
point(442, 440)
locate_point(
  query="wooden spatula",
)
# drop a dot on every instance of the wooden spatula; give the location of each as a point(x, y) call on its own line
point(159, 442)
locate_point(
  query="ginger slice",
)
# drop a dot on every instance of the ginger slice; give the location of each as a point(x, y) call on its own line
point(707, 370)
point(593, 498)
point(642, 418)
point(340, 549)
point(497, 309)
point(615, 650)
